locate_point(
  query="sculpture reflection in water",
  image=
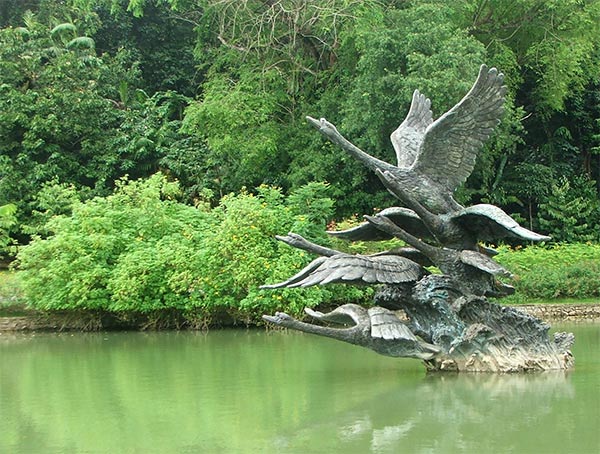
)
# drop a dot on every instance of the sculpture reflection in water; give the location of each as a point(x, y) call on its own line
point(442, 319)
point(457, 413)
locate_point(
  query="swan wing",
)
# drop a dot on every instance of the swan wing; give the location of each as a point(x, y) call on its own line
point(483, 262)
point(302, 275)
point(450, 145)
point(386, 325)
point(408, 137)
point(345, 268)
point(489, 223)
point(403, 217)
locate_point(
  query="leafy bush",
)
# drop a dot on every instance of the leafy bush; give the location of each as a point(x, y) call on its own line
point(559, 271)
point(139, 251)
point(7, 222)
point(242, 253)
point(82, 264)
point(52, 199)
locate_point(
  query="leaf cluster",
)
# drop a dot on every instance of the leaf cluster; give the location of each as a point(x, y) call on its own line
point(139, 251)
point(8, 221)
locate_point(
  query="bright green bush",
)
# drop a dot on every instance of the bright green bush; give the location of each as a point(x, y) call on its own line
point(242, 253)
point(559, 271)
point(7, 222)
point(139, 251)
point(105, 240)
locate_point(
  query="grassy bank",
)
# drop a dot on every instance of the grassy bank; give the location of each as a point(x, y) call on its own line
point(12, 302)
point(559, 273)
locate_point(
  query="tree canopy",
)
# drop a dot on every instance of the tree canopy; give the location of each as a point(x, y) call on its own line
point(214, 93)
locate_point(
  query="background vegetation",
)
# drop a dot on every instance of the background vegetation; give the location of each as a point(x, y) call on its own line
point(557, 272)
point(213, 93)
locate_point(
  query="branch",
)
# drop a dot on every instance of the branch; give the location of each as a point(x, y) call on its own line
point(231, 46)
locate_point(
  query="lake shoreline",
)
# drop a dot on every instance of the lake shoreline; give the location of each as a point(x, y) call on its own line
point(49, 322)
point(562, 312)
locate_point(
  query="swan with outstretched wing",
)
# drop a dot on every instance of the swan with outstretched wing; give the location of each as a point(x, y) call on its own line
point(445, 150)
point(482, 222)
point(376, 328)
point(435, 157)
point(355, 269)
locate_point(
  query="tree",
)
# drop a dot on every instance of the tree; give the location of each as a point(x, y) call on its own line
point(238, 119)
point(58, 106)
point(11, 11)
point(73, 117)
point(243, 76)
point(548, 50)
point(571, 212)
point(551, 42)
point(159, 41)
point(8, 221)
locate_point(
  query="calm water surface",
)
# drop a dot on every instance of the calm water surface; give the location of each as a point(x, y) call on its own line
point(257, 392)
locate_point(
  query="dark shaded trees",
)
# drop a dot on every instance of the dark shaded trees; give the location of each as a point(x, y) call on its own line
point(69, 114)
point(58, 103)
point(214, 92)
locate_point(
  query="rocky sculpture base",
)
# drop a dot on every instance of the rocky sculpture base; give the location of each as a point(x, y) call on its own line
point(451, 332)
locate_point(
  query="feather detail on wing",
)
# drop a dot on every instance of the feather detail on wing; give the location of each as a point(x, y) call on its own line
point(490, 223)
point(408, 137)
point(483, 262)
point(451, 143)
point(345, 268)
point(386, 325)
point(342, 315)
point(403, 217)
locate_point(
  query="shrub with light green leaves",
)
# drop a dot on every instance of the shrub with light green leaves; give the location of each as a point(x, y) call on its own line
point(242, 253)
point(106, 241)
point(139, 251)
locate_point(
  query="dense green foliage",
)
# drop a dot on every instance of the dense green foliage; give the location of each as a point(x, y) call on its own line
point(560, 271)
point(7, 221)
point(70, 115)
point(140, 251)
point(213, 94)
point(56, 112)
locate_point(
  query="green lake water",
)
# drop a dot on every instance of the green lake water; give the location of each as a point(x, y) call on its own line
point(279, 392)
